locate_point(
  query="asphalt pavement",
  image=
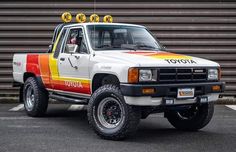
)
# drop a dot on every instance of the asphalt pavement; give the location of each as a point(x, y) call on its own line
point(65, 129)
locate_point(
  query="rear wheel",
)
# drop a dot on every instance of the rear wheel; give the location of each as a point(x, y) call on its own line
point(21, 100)
point(35, 98)
point(193, 119)
point(109, 115)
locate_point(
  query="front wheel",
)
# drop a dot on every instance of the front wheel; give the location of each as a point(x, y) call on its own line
point(193, 119)
point(109, 115)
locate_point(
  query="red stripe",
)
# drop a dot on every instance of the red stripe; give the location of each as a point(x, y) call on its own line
point(60, 85)
point(33, 64)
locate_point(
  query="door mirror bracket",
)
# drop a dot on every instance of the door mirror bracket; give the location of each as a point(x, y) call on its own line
point(50, 47)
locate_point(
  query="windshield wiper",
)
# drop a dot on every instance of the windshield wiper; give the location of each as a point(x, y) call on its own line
point(135, 47)
point(104, 46)
point(129, 46)
point(146, 46)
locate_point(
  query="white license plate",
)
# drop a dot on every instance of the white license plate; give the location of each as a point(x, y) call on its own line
point(185, 93)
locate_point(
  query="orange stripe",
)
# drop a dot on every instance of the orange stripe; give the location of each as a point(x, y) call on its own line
point(44, 69)
point(161, 55)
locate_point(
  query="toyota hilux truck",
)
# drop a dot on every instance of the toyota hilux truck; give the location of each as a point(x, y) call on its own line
point(123, 74)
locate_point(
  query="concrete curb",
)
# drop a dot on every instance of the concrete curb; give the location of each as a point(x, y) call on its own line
point(9, 100)
point(226, 100)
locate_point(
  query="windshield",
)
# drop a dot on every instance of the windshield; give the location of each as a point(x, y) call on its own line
point(121, 37)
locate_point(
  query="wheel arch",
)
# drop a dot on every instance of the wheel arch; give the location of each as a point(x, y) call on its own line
point(100, 79)
point(27, 75)
point(38, 78)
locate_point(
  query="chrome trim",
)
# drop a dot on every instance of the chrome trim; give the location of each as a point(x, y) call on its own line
point(30, 99)
point(156, 101)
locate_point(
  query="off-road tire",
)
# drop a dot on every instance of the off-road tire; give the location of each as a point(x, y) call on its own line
point(21, 100)
point(198, 121)
point(40, 96)
point(132, 114)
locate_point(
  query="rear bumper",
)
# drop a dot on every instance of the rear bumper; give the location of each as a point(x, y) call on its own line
point(164, 93)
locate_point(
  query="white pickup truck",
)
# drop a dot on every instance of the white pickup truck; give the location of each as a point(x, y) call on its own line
point(123, 74)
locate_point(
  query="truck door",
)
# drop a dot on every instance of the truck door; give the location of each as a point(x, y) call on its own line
point(73, 63)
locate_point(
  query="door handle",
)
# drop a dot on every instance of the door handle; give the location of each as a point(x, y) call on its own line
point(62, 59)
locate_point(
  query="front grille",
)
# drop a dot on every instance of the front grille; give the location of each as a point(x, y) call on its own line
point(179, 75)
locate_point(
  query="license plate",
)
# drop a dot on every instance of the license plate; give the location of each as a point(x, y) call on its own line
point(185, 93)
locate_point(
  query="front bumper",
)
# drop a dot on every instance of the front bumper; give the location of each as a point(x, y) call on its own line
point(164, 93)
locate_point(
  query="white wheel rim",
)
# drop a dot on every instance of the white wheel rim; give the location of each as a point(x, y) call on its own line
point(30, 99)
point(110, 113)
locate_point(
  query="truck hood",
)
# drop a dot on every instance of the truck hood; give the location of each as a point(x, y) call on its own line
point(156, 59)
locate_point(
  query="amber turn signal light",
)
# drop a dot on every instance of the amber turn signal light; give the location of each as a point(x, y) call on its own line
point(133, 75)
point(148, 91)
point(215, 88)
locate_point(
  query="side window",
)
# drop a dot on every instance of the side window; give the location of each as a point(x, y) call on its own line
point(58, 47)
point(75, 42)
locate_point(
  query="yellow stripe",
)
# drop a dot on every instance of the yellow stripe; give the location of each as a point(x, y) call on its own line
point(55, 46)
point(53, 61)
point(73, 79)
point(170, 57)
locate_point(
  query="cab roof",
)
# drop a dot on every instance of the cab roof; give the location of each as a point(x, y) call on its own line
point(100, 23)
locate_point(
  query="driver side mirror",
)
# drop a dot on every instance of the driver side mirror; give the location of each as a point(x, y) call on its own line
point(50, 48)
point(72, 48)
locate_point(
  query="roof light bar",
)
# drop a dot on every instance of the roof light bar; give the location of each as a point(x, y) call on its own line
point(107, 19)
point(94, 18)
point(66, 17)
point(80, 18)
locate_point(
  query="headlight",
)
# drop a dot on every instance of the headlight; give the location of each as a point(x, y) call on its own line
point(147, 75)
point(136, 75)
point(212, 74)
